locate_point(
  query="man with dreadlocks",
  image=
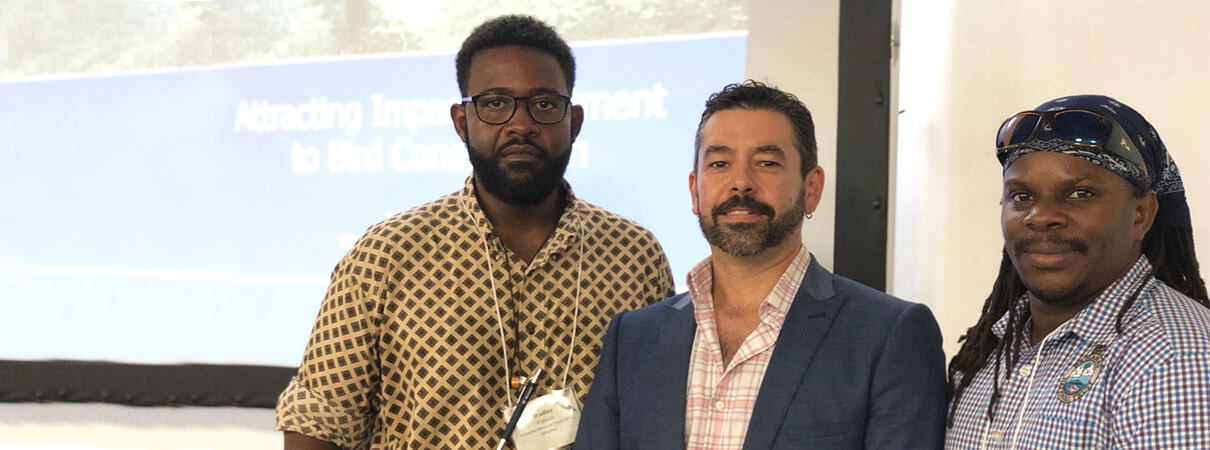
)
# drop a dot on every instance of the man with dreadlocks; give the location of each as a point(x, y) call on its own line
point(1097, 331)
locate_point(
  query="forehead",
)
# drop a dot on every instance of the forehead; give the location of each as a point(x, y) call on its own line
point(748, 129)
point(1042, 168)
point(516, 69)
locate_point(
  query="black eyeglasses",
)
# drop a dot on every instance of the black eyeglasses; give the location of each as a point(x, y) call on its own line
point(498, 109)
point(1078, 127)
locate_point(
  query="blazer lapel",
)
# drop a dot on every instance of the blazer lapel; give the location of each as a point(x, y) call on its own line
point(807, 322)
point(671, 376)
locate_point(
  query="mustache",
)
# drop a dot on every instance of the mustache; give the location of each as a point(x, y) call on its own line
point(742, 201)
point(1051, 242)
point(521, 141)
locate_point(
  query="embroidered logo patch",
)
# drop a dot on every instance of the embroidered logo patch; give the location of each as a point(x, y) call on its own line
point(1080, 377)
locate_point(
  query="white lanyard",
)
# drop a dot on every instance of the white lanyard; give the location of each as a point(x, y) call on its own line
point(575, 320)
point(1029, 387)
point(1038, 358)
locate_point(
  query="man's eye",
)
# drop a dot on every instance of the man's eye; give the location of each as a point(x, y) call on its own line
point(717, 165)
point(1020, 197)
point(543, 104)
point(1080, 193)
point(769, 164)
point(493, 102)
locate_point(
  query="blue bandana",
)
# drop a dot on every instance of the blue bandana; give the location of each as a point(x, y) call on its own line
point(1162, 175)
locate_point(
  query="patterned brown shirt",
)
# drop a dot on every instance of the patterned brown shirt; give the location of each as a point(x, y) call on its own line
point(406, 350)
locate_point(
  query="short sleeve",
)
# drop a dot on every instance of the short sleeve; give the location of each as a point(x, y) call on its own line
point(334, 396)
point(660, 274)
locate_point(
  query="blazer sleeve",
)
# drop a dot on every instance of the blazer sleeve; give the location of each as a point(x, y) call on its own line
point(599, 419)
point(907, 407)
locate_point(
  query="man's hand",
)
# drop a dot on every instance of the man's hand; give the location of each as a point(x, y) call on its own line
point(295, 441)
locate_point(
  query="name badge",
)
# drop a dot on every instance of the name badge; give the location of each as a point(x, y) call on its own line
point(548, 422)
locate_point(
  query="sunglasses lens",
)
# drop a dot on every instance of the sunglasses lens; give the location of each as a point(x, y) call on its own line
point(1082, 127)
point(1017, 129)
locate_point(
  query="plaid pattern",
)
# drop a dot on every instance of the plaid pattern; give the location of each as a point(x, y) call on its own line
point(720, 399)
point(405, 352)
point(1151, 389)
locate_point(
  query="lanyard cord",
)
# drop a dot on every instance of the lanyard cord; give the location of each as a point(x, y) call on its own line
point(491, 276)
point(1037, 362)
point(1029, 386)
point(575, 318)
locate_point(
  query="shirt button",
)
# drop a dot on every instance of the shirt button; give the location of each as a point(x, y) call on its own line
point(719, 405)
point(1026, 370)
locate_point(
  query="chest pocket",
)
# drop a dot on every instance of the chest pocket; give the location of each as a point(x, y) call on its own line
point(1057, 420)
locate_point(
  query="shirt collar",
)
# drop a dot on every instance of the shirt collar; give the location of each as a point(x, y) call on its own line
point(775, 305)
point(1021, 306)
point(566, 231)
point(1096, 323)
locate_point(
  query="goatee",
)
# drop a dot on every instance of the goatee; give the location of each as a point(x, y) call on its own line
point(749, 239)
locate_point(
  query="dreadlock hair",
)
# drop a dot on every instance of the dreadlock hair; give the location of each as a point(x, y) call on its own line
point(1169, 248)
point(980, 343)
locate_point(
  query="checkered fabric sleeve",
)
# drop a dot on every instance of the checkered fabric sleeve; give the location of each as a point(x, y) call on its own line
point(1167, 405)
point(333, 396)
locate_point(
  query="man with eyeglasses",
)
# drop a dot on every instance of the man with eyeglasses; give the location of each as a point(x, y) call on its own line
point(1097, 332)
point(439, 317)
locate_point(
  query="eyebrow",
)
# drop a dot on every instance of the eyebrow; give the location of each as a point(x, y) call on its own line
point(771, 149)
point(1066, 184)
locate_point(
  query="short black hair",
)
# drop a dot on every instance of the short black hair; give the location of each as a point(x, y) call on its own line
point(524, 31)
point(755, 95)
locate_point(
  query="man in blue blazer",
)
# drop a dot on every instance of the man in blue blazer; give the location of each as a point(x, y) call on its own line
point(768, 349)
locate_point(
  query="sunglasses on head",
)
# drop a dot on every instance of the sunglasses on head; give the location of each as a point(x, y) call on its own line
point(1077, 127)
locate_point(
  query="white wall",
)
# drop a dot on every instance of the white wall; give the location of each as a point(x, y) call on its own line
point(967, 65)
point(792, 44)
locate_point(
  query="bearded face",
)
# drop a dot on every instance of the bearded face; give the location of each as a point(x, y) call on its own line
point(750, 238)
point(520, 172)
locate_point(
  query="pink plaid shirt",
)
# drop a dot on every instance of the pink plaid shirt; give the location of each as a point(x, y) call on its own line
point(720, 398)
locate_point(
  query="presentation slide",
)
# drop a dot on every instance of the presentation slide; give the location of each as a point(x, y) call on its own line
point(195, 215)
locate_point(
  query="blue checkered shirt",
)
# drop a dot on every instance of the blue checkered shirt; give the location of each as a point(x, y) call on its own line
point(1147, 388)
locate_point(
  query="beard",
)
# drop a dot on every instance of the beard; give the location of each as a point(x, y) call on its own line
point(519, 183)
point(749, 239)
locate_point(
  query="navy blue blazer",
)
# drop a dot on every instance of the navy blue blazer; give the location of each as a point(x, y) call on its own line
point(852, 368)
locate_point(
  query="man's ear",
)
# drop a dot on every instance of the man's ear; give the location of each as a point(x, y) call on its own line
point(577, 120)
point(693, 190)
point(1144, 214)
point(458, 116)
point(813, 189)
